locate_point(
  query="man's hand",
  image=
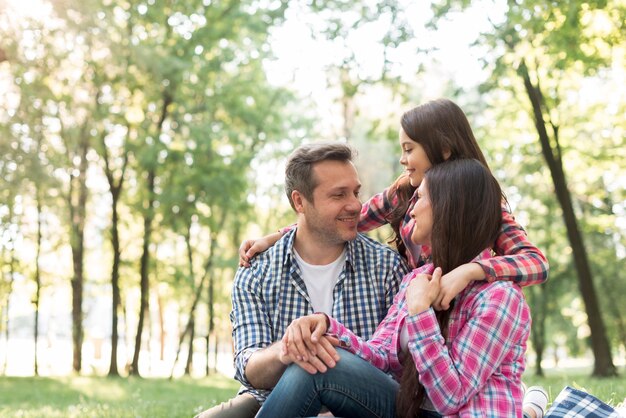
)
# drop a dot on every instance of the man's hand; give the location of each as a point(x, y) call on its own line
point(305, 344)
point(325, 358)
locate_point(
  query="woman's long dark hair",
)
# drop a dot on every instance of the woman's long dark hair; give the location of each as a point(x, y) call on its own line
point(440, 127)
point(466, 202)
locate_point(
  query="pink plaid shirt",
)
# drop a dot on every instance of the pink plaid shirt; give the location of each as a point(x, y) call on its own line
point(518, 260)
point(477, 371)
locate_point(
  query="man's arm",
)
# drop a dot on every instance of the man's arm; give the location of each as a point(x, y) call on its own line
point(252, 328)
point(266, 366)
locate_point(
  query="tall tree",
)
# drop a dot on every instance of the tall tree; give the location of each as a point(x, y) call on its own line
point(552, 39)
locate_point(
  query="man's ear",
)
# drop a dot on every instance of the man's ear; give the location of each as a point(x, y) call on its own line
point(446, 154)
point(298, 201)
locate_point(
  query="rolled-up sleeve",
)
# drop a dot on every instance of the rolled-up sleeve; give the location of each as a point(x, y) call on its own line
point(251, 325)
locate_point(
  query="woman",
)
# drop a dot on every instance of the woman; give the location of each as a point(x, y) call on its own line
point(430, 134)
point(465, 361)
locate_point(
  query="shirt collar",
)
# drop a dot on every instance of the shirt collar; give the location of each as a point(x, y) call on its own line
point(290, 257)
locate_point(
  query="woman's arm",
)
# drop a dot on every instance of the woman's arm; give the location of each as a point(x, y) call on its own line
point(381, 349)
point(498, 328)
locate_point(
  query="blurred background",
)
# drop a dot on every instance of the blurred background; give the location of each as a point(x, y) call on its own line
point(142, 141)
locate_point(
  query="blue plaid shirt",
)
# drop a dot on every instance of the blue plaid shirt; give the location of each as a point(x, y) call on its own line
point(270, 294)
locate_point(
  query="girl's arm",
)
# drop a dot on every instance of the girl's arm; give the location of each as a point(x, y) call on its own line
point(516, 260)
point(251, 247)
point(376, 211)
point(498, 328)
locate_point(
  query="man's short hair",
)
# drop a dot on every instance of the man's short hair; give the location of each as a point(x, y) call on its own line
point(299, 171)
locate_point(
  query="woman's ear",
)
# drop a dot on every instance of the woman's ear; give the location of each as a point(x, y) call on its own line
point(446, 154)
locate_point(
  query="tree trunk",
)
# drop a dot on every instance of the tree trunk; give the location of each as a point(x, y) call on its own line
point(12, 262)
point(77, 204)
point(215, 350)
point(189, 325)
point(538, 329)
point(144, 270)
point(161, 329)
point(115, 286)
point(192, 335)
point(147, 224)
point(37, 278)
point(211, 302)
point(115, 188)
point(207, 340)
point(600, 346)
point(207, 268)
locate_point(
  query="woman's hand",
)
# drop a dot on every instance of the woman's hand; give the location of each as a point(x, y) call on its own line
point(423, 291)
point(455, 281)
point(304, 341)
point(250, 247)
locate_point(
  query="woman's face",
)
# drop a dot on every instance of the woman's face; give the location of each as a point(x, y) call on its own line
point(422, 215)
point(414, 159)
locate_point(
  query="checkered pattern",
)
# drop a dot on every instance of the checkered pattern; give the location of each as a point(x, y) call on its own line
point(271, 293)
point(477, 371)
point(519, 260)
point(574, 403)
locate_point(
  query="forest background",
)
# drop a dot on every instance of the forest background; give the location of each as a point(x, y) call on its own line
point(141, 141)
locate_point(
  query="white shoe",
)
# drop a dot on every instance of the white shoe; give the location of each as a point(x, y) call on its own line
point(537, 399)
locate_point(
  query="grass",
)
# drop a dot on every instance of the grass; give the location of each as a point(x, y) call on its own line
point(69, 397)
point(610, 390)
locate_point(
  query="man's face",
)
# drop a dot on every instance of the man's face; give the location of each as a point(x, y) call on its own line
point(333, 215)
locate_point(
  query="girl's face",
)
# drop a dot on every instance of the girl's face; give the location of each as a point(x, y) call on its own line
point(414, 159)
point(422, 215)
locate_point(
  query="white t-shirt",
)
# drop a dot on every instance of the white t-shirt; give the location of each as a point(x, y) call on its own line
point(320, 281)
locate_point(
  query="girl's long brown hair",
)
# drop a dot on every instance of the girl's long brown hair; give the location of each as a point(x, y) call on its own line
point(465, 201)
point(440, 127)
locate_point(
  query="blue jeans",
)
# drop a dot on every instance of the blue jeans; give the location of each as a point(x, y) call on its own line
point(353, 388)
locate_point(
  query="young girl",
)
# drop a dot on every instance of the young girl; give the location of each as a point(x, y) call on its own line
point(430, 134)
point(466, 361)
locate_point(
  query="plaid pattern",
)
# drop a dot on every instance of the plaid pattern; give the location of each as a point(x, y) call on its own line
point(271, 293)
point(477, 371)
point(518, 260)
point(573, 403)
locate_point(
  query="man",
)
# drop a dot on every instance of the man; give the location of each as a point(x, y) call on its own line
point(323, 265)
